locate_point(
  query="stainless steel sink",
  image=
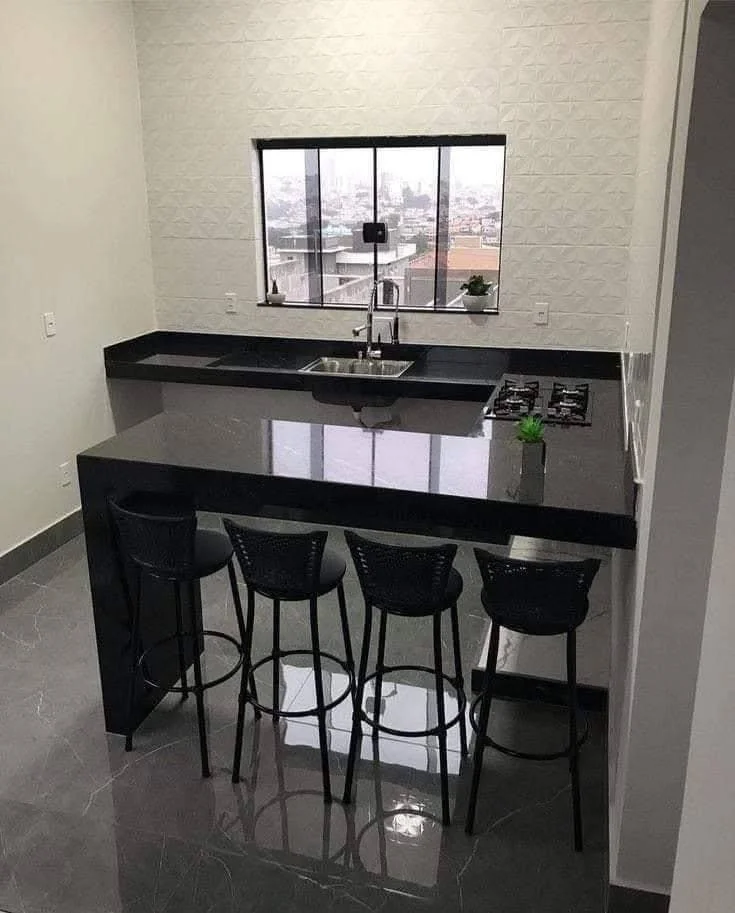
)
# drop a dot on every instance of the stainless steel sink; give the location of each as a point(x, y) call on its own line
point(369, 367)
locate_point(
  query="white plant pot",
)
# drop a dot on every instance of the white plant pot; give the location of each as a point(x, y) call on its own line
point(278, 298)
point(476, 302)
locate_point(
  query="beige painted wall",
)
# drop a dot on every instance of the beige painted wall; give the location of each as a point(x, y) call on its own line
point(704, 877)
point(692, 376)
point(563, 80)
point(73, 240)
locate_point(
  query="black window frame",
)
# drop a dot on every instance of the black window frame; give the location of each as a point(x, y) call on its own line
point(375, 143)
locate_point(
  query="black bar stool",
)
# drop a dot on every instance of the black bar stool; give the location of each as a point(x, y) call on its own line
point(289, 567)
point(157, 536)
point(539, 598)
point(413, 582)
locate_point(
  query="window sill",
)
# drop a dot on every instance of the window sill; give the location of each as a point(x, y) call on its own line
point(382, 311)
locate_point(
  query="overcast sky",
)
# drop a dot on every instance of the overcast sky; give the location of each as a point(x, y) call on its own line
point(469, 165)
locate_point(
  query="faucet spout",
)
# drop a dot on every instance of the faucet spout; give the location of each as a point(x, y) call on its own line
point(371, 351)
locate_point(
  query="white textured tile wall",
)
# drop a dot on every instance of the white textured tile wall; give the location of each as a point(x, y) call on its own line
point(562, 79)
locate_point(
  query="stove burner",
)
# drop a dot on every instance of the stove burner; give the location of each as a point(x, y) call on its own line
point(516, 398)
point(561, 403)
point(569, 403)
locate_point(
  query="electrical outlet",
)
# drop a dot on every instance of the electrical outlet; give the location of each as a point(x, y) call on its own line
point(541, 313)
point(230, 303)
point(65, 474)
point(49, 323)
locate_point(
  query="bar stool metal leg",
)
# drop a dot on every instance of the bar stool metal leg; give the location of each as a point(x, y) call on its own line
point(242, 699)
point(320, 702)
point(379, 673)
point(458, 678)
point(198, 690)
point(276, 657)
point(441, 717)
point(482, 724)
point(345, 626)
point(241, 628)
point(573, 740)
point(180, 642)
point(356, 734)
point(134, 644)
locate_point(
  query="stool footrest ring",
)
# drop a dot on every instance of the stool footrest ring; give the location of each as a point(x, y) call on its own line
point(177, 689)
point(312, 711)
point(526, 755)
point(416, 733)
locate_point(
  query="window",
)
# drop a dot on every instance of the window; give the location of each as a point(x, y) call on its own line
point(440, 198)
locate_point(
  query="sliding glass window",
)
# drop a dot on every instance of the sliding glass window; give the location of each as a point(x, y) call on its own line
point(439, 198)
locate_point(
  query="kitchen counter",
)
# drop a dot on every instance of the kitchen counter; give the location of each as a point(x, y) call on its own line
point(450, 478)
point(447, 372)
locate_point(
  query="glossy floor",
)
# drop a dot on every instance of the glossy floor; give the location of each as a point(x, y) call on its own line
point(85, 827)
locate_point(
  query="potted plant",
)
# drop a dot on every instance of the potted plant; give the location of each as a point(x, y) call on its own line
point(478, 294)
point(530, 433)
point(274, 296)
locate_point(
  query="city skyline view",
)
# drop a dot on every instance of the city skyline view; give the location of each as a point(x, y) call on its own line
point(316, 202)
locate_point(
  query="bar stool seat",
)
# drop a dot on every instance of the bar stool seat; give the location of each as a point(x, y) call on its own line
point(331, 572)
point(400, 598)
point(212, 552)
point(525, 618)
point(212, 547)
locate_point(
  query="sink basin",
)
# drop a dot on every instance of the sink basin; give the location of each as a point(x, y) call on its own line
point(367, 367)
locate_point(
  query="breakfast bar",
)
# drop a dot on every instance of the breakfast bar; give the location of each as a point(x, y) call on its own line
point(447, 486)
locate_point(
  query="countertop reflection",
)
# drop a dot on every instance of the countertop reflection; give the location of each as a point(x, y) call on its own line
point(585, 467)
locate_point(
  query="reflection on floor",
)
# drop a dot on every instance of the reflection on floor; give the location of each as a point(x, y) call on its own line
point(85, 827)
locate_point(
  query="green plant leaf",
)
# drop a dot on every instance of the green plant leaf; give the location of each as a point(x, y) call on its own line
point(476, 285)
point(530, 429)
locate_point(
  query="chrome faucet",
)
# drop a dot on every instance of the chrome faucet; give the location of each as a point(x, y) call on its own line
point(371, 351)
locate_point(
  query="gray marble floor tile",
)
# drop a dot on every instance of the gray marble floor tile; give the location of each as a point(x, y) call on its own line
point(87, 828)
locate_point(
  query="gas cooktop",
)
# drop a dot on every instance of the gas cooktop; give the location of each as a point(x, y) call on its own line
point(556, 402)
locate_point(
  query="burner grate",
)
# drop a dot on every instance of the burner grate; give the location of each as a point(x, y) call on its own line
point(562, 403)
point(516, 398)
point(568, 403)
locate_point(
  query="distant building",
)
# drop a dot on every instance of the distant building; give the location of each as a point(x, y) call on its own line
point(462, 262)
point(474, 241)
point(347, 270)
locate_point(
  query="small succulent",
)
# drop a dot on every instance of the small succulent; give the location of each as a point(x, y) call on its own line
point(530, 429)
point(274, 288)
point(476, 285)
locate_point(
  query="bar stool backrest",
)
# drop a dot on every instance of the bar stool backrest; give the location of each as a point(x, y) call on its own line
point(156, 534)
point(278, 563)
point(537, 596)
point(406, 580)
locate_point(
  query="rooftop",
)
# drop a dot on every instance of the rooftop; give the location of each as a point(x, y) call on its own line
point(463, 259)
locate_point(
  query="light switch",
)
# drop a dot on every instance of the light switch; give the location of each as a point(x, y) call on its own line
point(230, 303)
point(49, 323)
point(541, 313)
point(65, 474)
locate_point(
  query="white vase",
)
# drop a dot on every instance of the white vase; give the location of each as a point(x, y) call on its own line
point(476, 302)
point(276, 297)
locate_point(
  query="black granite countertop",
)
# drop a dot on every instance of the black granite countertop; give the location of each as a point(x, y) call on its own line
point(466, 487)
point(448, 372)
